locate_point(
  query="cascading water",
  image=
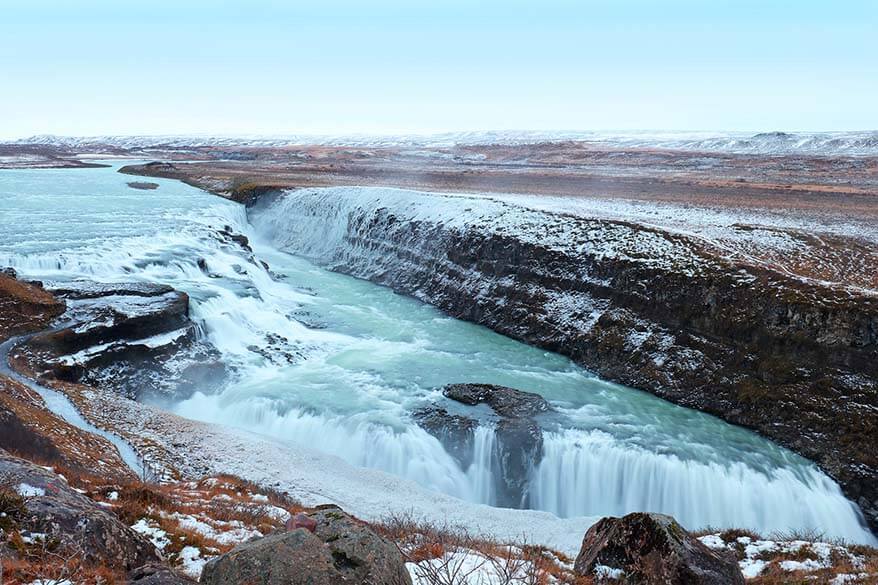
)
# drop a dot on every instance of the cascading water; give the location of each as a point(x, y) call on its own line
point(325, 361)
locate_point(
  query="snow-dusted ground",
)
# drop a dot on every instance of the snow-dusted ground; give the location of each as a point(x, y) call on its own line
point(785, 241)
point(472, 568)
point(756, 556)
point(715, 224)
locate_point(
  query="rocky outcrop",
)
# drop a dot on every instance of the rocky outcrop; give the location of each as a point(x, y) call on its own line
point(135, 338)
point(338, 550)
point(651, 548)
point(27, 427)
point(143, 185)
point(507, 402)
point(24, 306)
point(793, 358)
point(518, 443)
point(54, 511)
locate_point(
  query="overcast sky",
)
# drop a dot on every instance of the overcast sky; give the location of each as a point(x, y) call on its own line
point(325, 66)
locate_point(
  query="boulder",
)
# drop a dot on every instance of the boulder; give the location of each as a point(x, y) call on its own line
point(361, 556)
point(340, 550)
point(301, 521)
point(506, 402)
point(651, 548)
point(77, 523)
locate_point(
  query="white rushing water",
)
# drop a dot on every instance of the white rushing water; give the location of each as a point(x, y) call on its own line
point(328, 362)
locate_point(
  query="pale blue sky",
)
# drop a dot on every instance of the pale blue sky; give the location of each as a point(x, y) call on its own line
point(332, 66)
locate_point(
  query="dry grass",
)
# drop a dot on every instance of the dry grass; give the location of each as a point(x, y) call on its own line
point(24, 307)
point(195, 514)
point(30, 430)
point(867, 572)
point(55, 567)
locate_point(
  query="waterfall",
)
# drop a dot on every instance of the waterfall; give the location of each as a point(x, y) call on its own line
point(327, 362)
point(584, 474)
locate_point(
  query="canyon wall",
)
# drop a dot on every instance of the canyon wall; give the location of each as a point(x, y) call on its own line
point(794, 359)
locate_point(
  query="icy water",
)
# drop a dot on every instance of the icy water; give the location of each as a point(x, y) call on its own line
point(324, 361)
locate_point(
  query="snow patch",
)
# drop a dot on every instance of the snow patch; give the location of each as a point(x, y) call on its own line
point(28, 491)
point(192, 562)
point(605, 572)
point(468, 566)
point(156, 535)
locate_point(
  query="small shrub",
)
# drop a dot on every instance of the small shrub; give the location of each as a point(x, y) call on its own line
point(12, 509)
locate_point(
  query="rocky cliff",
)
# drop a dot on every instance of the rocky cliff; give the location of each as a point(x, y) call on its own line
point(794, 358)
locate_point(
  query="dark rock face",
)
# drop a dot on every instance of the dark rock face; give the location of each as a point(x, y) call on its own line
point(518, 443)
point(143, 185)
point(339, 550)
point(663, 312)
point(455, 432)
point(53, 508)
point(519, 449)
point(157, 574)
point(240, 239)
point(135, 338)
point(506, 402)
point(93, 290)
point(651, 548)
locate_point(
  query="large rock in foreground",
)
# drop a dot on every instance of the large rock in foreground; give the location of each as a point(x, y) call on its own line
point(56, 512)
point(340, 550)
point(651, 548)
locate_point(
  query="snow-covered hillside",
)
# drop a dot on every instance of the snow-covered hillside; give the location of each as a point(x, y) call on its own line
point(864, 143)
